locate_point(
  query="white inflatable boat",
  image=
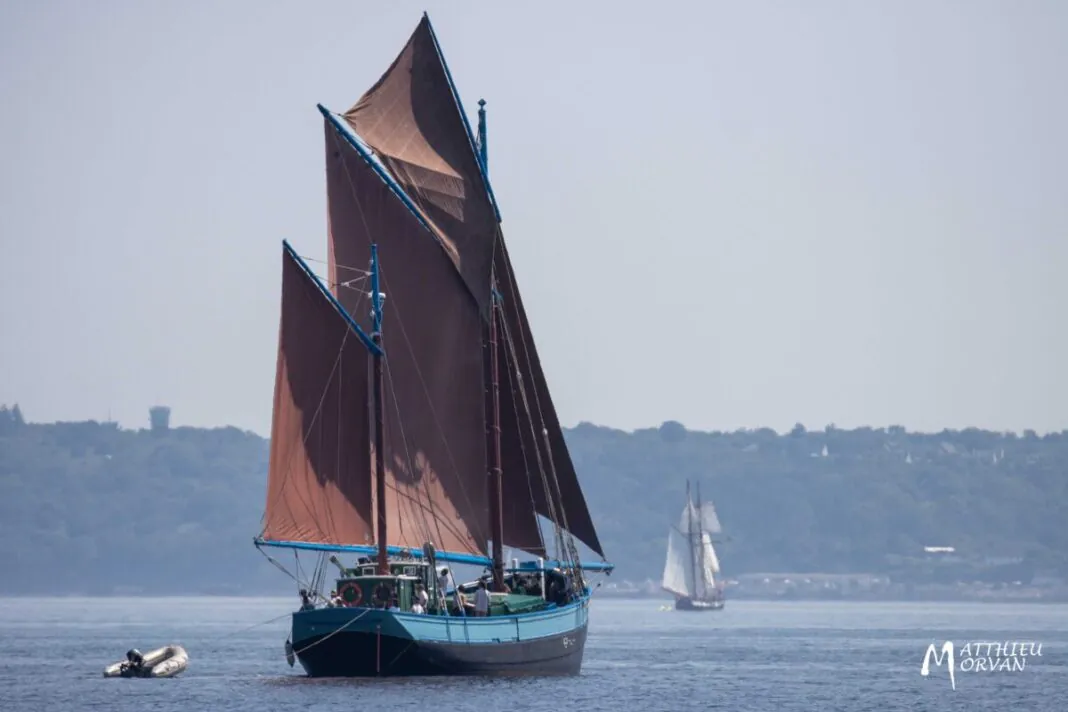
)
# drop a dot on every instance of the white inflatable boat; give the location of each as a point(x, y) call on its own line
point(167, 661)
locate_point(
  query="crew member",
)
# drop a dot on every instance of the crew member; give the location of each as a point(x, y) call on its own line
point(482, 600)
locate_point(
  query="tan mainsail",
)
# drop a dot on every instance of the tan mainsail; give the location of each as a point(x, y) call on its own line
point(435, 428)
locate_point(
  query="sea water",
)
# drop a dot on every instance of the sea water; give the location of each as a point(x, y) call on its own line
point(760, 656)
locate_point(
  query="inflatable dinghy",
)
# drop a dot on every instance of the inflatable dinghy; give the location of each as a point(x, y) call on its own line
point(167, 661)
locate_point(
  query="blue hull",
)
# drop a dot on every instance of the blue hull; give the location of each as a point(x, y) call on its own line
point(363, 642)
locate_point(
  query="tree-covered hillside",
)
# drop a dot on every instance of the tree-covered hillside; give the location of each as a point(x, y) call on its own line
point(831, 500)
point(87, 507)
point(90, 508)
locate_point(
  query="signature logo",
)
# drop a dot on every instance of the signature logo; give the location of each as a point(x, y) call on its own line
point(568, 642)
point(980, 656)
point(946, 654)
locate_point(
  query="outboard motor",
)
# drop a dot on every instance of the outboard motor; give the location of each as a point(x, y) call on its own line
point(134, 663)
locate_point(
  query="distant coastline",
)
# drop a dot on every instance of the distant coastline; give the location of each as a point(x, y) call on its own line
point(856, 588)
point(951, 516)
point(662, 600)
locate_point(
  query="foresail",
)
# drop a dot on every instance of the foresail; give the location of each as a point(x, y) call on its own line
point(678, 570)
point(411, 119)
point(318, 482)
point(434, 435)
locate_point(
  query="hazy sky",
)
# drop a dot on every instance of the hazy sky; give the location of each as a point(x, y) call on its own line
point(729, 214)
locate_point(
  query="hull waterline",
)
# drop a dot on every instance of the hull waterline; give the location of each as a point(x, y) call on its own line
point(375, 643)
point(689, 604)
point(375, 655)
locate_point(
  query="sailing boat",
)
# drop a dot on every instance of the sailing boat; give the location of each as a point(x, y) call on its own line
point(412, 421)
point(691, 566)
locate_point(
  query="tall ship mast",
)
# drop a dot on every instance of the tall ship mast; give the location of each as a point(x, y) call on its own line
point(413, 427)
point(692, 565)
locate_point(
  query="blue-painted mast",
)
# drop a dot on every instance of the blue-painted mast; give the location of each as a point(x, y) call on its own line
point(483, 151)
point(367, 341)
point(380, 466)
point(463, 114)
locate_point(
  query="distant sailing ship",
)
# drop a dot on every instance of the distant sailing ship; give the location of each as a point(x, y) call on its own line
point(691, 566)
point(412, 420)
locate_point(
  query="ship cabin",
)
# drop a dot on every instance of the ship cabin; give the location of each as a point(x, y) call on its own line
point(530, 586)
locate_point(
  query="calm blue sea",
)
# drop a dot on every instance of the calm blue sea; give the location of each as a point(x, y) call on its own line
point(751, 656)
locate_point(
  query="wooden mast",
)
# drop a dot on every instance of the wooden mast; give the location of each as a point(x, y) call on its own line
point(689, 537)
point(380, 467)
point(699, 546)
point(493, 431)
point(495, 470)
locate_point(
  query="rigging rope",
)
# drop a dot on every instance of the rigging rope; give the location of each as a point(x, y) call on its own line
point(224, 636)
point(523, 452)
point(362, 270)
point(332, 633)
point(311, 426)
point(550, 499)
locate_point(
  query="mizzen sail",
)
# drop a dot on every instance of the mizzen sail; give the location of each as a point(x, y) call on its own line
point(529, 412)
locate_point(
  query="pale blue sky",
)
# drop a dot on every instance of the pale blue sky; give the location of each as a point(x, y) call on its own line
point(729, 214)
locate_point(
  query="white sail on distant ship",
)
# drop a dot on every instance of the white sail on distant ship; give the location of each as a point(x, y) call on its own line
point(692, 564)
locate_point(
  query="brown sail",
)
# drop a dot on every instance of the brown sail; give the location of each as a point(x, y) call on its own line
point(318, 482)
point(519, 514)
point(434, 436)
point(411, 119)
point(531, 413)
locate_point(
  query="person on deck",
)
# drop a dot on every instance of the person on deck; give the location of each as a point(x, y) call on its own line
point(482, 600)
point(306, 603)
point(569, 587)
point(443, 585)
point(421, 596)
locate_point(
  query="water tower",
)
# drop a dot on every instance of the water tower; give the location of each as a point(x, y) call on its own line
point(159, 417)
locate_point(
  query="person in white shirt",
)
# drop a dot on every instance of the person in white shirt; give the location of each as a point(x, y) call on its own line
point(482, 600)
point(417, 607)
point(443, 585)
point(421, 596)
